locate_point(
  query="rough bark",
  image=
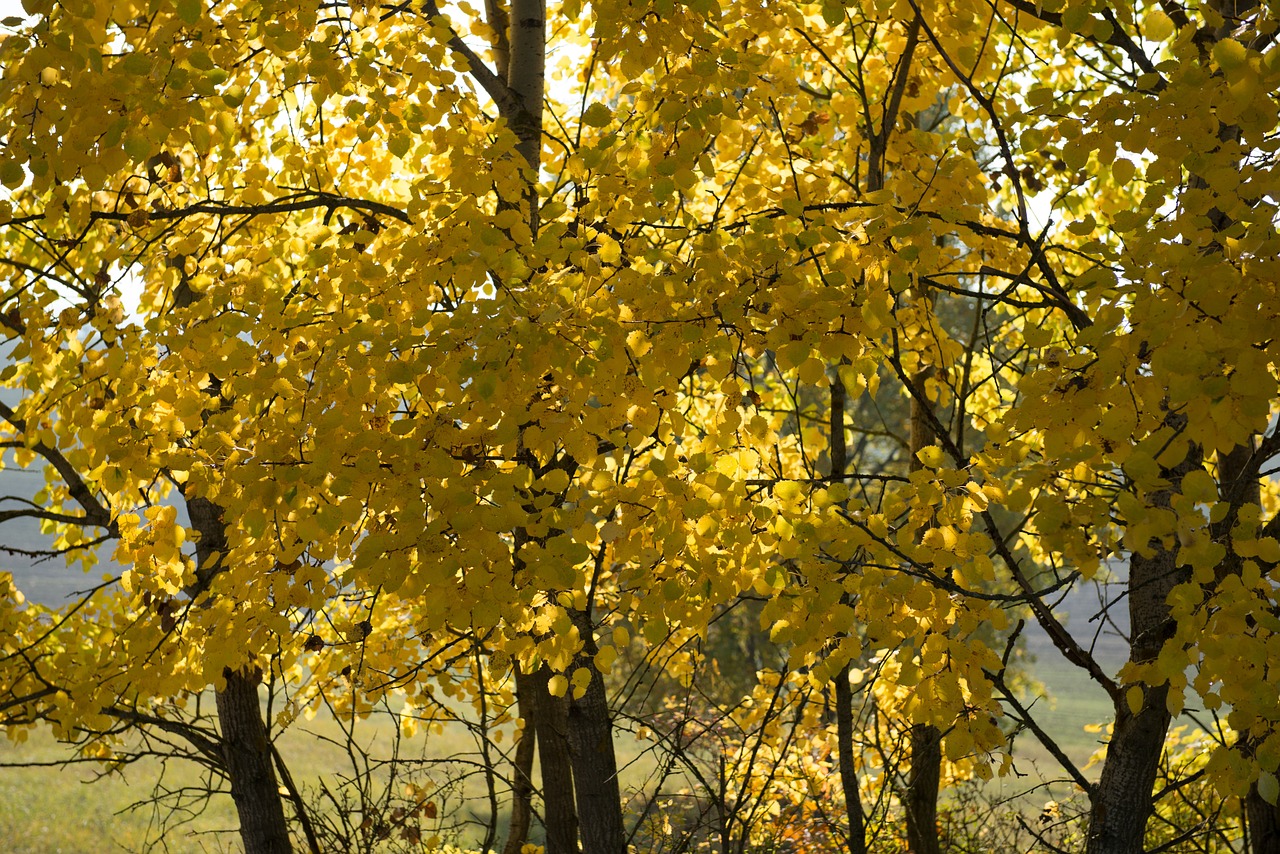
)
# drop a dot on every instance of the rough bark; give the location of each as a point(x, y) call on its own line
point(1122, 803)
point(920, 801)
point(1264, 824)
point(522, 773)
point(1240, 485)
point(595, 767)
point(551, 720)
point(246, 749)
point(246, 743)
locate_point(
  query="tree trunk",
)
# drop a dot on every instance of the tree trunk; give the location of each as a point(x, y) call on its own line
point(522, 773)
point(595, 767)
point(1122, 801)
point(923, 782)
point(246, 743)
point(1240, 485)
point(1264, 824)
point(551, 720)
point(920, 800)
point(246, 749)
point(857, 834)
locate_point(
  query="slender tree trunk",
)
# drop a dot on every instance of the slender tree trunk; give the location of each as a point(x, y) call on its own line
point(246, 742)
point(526, 73)
point(1122, 802)
point(551, 719)
point(920, 800)
point(522, 772)
point(857, 833)
point(595, 767)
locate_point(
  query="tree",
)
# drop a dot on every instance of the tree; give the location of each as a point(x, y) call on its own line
point(480, 345)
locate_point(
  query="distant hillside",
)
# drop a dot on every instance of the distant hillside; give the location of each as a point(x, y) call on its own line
point(48, 581)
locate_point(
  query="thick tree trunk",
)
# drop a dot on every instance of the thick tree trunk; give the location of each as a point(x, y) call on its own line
point(595, 767)
point(921, 797)
point(1264, 824)
point(246, 743)
point(1122, 801)
point(246, 749)
point(1240, 485)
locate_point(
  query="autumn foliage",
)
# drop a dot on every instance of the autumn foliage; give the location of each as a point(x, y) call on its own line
point(745, 378)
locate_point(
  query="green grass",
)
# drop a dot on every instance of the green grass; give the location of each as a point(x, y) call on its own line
point(46, 810)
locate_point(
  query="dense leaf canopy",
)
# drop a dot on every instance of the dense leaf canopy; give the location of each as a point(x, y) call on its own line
point(895, 321)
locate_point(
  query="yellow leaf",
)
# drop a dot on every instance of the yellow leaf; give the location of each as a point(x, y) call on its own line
point(1200, 487)
point(1157, 26)
point(1135, 697)
point(1229, 54)
point(931, 457)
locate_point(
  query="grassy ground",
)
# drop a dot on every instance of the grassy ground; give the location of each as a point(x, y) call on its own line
point(44, 810)
point(53, 810)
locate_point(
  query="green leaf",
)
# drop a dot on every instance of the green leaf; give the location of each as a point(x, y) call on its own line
point(597, 115)
point(12, 174)
point(1268, 787)
point(398, 144)
point(190, 10)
